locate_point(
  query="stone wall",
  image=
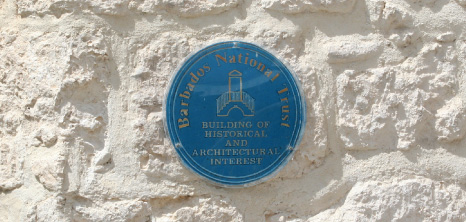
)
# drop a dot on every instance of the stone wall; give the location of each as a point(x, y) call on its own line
point(82, 84)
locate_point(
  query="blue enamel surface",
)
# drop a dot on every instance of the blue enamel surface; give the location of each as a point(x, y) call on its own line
point(215, 102)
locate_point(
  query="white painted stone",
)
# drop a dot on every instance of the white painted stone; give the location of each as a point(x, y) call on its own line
point(352, 48)
point(82, 86)
point(299, 6)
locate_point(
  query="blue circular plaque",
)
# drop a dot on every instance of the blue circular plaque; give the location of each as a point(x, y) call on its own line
point(234, 113)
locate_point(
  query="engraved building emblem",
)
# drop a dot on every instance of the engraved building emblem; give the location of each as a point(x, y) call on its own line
point(235, 98)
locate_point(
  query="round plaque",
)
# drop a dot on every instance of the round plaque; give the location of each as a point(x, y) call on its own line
point(234, 113)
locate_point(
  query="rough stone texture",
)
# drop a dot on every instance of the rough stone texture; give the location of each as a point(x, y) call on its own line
point(345, 49)
point(82, 86)
point(298, 6)
point(11, 169)
point(406, 200)
point(184, 8)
